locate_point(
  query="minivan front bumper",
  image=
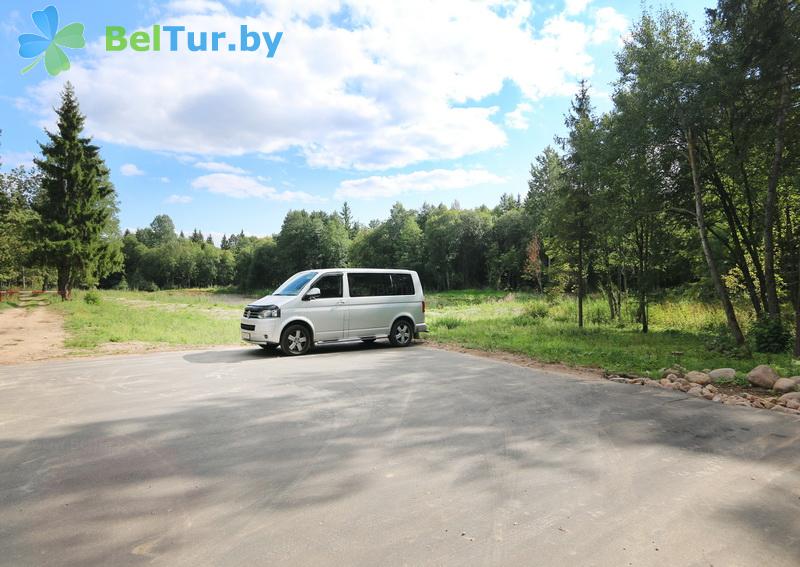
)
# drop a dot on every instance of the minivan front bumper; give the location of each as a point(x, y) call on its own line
point(260, 331)
point(422, 328)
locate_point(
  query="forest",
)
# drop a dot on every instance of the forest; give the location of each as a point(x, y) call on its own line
point(687, 186)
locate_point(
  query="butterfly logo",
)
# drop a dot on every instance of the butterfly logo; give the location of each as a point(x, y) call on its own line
point(48, 46)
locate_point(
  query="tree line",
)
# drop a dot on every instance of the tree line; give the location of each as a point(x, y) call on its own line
point(690, 181)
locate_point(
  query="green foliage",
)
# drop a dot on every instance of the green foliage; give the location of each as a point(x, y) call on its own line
point(537, 309)
point(91, 298)
point(76, 204)
point(770, 335)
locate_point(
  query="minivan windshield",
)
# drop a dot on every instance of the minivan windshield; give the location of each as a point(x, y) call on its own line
point(293, 285)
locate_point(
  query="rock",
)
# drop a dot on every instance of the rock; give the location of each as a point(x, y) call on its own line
point(674, 371)
point(762, 375)
point(793, 404)
point(698, 378)
point(672, 377)
point(722, 374)
point(708, 395)
point(719, 398)
point(684, 386)
point(784, 385)
point(665, 382)
point(790, 396)
point(711, 388)
point(785, 410)
point(695, 390)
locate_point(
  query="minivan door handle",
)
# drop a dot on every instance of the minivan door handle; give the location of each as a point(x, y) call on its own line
point(340, 302)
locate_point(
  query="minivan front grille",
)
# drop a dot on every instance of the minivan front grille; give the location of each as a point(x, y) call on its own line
point(246, 327)
point(252, 311)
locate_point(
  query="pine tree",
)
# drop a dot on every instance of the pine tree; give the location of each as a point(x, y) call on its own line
point(76, 203)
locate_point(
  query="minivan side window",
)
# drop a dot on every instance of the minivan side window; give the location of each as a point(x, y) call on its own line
point(369, 285)
point(329, 286)
point(402, 284)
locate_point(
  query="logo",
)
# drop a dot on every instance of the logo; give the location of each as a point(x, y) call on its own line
point(48, 46)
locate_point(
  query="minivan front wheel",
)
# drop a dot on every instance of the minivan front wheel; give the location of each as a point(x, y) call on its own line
point(401, 333)
point(296, 340)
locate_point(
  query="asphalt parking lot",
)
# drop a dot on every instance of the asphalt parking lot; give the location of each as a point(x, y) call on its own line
point(369, 455)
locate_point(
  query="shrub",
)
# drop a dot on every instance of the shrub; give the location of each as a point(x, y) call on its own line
point(91, 298)
point(537, 309)
point(770, 335)
point(148, 286)
point(449, 322)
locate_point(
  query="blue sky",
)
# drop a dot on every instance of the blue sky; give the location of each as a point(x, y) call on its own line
point(369, 102)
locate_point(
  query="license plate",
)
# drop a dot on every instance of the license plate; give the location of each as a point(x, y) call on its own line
point(246, 336)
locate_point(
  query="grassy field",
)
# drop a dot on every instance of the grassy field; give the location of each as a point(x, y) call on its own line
point(187, 317)
point(683, 332)
point(688, 333)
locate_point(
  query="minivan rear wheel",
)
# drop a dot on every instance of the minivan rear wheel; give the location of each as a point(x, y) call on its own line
point(296, 339)
point(402, 333)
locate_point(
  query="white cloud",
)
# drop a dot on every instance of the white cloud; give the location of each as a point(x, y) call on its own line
point(516, 119)
point(219, 167)
point(130, 169)
point(609, 24)
point(418, 181)
point(178, 199)
point(15, 159)
point(164, 179)
point(389, 90)
point(241, 187)
point(575, 7)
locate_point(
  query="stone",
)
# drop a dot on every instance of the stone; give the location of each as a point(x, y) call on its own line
point(672, 377)
point(784, 385)
point(762, 375)
point(665, 382)
point(722, 374)
point(708, 395)
point(719, 398)
point(793, 404)
point(695, 390)
point(698, 378)
point(711, 388)
point(790, 396)
point(675, 371)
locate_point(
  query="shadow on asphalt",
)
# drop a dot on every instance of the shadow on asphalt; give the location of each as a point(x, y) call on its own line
point(248, 354)
point(299, 441)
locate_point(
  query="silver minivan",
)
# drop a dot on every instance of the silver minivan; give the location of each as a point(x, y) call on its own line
point(329, 305)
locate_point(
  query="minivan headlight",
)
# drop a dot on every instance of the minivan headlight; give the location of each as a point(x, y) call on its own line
point(270, 311)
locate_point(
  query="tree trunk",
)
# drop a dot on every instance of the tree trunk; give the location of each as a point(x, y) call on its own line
point(580, 282)
point(64, 286)
point(771, 204)
point(797, 330)
point(730, 314)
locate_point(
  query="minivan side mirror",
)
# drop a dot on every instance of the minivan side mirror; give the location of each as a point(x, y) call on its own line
point(313, 293)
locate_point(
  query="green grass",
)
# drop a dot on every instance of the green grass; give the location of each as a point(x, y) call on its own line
point(193, 317)
point(681, 332)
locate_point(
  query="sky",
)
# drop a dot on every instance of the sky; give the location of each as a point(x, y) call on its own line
point(360, 101)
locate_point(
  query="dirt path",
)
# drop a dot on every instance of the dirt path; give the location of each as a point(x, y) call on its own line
point(34, 333)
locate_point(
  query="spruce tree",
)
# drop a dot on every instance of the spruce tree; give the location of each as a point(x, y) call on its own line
point(76, 203)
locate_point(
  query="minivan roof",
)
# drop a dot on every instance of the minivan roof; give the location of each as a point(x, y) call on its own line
point(359, 270)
